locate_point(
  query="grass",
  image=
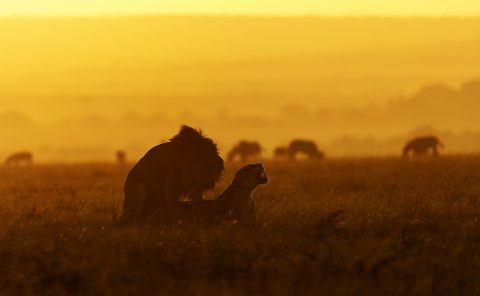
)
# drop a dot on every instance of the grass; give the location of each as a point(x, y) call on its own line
point(339, 227)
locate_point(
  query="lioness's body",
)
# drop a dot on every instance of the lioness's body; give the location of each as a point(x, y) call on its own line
point(234, 203)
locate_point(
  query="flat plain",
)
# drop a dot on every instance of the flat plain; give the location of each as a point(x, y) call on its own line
point(359, 226)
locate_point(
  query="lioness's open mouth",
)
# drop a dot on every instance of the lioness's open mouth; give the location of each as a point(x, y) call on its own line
point(262, 179)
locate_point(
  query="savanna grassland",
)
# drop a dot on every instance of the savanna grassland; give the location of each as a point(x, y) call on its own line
point(381, 226)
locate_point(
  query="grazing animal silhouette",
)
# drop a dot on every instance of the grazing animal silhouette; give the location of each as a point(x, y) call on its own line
point(245, 150)
point(281, 152)
point(306, 147)
point(234, 203)
point(121, 157)
point(420, 146)
point(187, 165)
point(19, 158)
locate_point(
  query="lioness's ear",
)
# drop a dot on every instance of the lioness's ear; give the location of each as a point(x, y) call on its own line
point(259, 166)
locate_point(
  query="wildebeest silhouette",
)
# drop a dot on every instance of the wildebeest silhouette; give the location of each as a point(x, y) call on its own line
point(187, 165)
point(245, 150)
point(234, 203)
point(281, 152)
point(19, 158)
point(420, 146)
point(121, 157)
point(306, 147)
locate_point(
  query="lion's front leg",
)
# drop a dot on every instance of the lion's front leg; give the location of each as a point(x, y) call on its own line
point(134, 201)
point(196, 195)
point(172, 197)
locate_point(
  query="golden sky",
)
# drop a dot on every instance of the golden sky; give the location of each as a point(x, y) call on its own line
point(87, 82)
point(337, 7)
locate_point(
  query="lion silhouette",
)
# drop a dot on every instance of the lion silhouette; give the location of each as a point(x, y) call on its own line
point(306, 147)
point(20, 158)
point(187, 165)
point(245, 150)
point(234, 203)
point(420, 146)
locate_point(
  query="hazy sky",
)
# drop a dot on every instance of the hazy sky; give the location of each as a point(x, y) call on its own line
point(338, 7)
point(89, 82)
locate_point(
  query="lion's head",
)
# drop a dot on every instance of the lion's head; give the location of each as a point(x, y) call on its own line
point(199, 161)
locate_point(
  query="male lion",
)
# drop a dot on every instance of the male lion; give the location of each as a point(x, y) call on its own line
point(187, 165)
point(234, 203)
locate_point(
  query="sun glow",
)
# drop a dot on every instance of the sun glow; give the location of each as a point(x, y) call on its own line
point(299, 7)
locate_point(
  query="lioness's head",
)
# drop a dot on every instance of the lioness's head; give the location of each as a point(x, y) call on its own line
point(250, 176)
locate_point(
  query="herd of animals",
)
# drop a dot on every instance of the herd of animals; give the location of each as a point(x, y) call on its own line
point(245, 151)
point(169, 182)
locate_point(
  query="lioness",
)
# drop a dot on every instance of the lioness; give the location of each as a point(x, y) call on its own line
point(234, 203)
